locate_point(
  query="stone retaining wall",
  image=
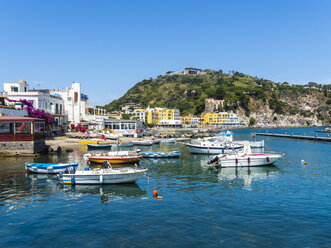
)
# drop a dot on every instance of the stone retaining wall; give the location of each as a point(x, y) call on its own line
point(26, 146)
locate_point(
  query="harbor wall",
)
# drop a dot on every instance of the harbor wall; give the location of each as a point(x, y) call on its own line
point(23, 146)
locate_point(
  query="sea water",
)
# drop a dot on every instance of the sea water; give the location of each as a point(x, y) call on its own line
point(286, 205)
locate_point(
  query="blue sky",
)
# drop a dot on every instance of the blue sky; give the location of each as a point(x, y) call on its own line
point(109, 46)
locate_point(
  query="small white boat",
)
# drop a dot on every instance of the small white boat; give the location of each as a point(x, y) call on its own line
point(112, 136)
point(156, 141)
point(174, 154)
point(129, 144)
point(207, 147)
point(244, 159)
point(253, 144)
point(172, 140)
point(48, 168)
point(103, 176)
point(182, 139)
point(142, 142)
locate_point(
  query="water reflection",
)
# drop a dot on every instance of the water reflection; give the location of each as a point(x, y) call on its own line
point(247, 174)
point(107, 192)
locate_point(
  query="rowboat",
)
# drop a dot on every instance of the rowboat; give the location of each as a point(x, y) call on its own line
point(48, 168)
point(93, 146)
point(174, 154)
point(120, 157)
point(103, 176)
point(142, 142)
point(244, 159)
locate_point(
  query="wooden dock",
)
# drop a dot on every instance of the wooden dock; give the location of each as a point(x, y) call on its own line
point(292, 136)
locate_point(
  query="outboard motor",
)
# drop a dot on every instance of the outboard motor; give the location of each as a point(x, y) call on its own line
point(214, 160)
point(106, 164)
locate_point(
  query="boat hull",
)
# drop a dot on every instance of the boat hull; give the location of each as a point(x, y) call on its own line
point(116, 160)
point(39, 168)
point(96, 147)
point(211, 150)
point(249, 161)
point(142, 143)
point(253, 144)
point(95, 142)
point(103, 178)
point(175, 154)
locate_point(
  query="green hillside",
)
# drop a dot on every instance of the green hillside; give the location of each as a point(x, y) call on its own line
point(240, 92)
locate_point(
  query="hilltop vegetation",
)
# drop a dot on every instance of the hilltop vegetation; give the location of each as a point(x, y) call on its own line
point(241, 93)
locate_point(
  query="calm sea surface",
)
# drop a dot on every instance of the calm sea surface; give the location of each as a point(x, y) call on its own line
point(287, 205)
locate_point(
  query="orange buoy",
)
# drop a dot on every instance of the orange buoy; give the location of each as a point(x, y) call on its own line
point(155, 193)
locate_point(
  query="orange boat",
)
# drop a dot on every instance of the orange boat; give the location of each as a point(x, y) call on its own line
point(122, 157)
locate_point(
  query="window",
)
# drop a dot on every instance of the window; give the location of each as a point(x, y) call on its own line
point(14, 89)
point(4, 127)
point(69, 99)
point(39, 127)
point(22, 127)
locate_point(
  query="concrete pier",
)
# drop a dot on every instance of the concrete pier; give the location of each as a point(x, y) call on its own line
point(292, 136)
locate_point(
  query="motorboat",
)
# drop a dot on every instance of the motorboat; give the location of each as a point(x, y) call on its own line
point(253, 144)
point(103, 176)
point(142, 142)
point(118, 157)
point(171, 140)
point(119, 144)
point(94, 146)
point(50, 168)
point(156, 141)
point(173, 154)
point(227, 136)
point(244, 159)
point(112, 136)
point(212, 147)
point(183, 139)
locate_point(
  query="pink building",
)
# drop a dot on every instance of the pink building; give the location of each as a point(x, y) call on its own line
point(212, 105)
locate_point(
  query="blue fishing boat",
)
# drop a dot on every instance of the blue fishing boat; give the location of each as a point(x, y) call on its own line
point(174, 154)
point(48, 168)
point(94, 147)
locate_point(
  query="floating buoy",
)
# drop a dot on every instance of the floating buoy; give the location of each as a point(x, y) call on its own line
point(159, 197)
point(155, 193)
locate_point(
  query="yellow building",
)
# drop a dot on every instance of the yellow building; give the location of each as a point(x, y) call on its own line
point(215, 118)
point(190, 120)
point(158, 116)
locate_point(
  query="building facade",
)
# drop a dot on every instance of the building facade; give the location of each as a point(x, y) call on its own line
point(163, 117)
point(212, 105)
point(40, 99)
point(22, 134)
point(190, 120)
point(220, 119)
point(129, 128)
point(76, 104)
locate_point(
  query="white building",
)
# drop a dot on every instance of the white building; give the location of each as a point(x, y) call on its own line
point(65, 105)
point(234, 119)
point(77, 107)
point(41, 99)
